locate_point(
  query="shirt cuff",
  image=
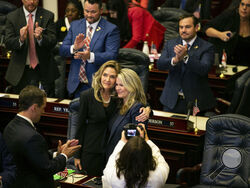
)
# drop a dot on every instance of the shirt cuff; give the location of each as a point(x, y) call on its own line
point(71, 49)
point(64, 156)
point(172, 62)
point(39, 42)
point(21, 43)
point(92, 58)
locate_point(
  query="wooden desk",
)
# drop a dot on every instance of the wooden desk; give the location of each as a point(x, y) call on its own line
point(221, 86)
point(180, 149)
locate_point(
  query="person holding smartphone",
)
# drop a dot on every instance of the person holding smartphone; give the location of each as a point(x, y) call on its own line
point(136, 162)
point(230, 31)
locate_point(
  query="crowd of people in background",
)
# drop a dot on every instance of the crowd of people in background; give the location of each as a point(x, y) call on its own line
point(110, 97)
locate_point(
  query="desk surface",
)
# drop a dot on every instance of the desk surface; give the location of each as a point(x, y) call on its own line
point(197, 120)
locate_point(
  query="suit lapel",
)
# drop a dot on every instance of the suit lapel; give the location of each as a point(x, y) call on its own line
point(22, 19)
point(97, 34)
point(39, 17)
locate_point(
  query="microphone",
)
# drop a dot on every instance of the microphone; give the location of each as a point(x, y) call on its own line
point(189, 108)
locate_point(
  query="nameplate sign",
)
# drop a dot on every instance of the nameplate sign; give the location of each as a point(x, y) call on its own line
point(60, 109)
point(8, 103)
point(176, 124)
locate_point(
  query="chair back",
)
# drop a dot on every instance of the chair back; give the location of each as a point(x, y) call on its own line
point(137, 61)
point(226, 156)
point(5, 8)
point(238, 91)
point(244, 105)
point(73, 119)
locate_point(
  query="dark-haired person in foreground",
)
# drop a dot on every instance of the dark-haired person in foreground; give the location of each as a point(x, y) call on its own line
point(136, 162)
point(35, 168)
point(188, 59)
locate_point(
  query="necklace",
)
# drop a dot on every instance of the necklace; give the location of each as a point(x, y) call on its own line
point(106, 102)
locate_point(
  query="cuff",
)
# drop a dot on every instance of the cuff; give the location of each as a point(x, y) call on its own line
point(64, 156)
point(172, 62)
point(92, 58)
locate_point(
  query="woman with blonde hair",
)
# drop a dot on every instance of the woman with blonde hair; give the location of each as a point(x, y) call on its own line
point(132, 97)
point(97, 106)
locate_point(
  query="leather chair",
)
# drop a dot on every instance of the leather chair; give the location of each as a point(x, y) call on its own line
point(73, 118)
point(60, 89)
point(169, 18)
point(240, 99)
point(226, 153)
point(137, 61)
point(5, 8)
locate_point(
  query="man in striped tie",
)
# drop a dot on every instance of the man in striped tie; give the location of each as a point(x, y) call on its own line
point(31, 35)
point(90, 42)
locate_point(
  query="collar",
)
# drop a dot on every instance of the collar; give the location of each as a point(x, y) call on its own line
point(29, 120)
point(190, 42)
point(67, 24)
point(26, 13)
point(94, 25)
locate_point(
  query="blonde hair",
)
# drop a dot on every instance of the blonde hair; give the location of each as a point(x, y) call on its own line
point(132, 83)
point(96, 82)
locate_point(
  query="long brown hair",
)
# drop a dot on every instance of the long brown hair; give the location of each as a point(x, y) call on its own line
point(135, 162)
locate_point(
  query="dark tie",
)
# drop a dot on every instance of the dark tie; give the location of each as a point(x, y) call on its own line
point(82, 73)
point(183, 4)
point(32, 48)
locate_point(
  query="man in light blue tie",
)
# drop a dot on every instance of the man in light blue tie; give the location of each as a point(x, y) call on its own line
point(188, 69)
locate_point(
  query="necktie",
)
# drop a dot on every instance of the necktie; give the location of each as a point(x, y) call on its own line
point(183, 4)
point(82, 73)
point(32, 48)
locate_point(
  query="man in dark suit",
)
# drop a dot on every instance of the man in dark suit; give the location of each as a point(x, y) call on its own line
point(103, 46)
point(7, 167)
point(30, 35)
point(188, 59)
point(35, 168)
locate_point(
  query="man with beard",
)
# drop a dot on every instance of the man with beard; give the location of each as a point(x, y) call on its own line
point(188, 59)
point(92, 41)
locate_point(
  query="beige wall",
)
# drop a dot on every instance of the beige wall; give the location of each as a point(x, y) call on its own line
point(52, 6)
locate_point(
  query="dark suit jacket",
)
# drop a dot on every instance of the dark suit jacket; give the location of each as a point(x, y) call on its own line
point(194, 78)
point(117, 123)
point(60, 33)
point(7, 167)
point(15, 21)
point(92, 131)
point(104, 44)
point(30, 152)
point(191, 5)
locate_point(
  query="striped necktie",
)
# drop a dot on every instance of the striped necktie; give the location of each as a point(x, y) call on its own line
point(82, 73)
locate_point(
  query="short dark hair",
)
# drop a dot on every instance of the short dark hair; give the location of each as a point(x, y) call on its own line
point(135, 162)
point(195, 20)
point(31, 95)
point(99, 2)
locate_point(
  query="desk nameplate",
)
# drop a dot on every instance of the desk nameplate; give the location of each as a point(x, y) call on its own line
point(176, 124)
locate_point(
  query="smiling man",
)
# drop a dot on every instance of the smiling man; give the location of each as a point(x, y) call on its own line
point(188, 59)
point(90, 42)
point(31, 36)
